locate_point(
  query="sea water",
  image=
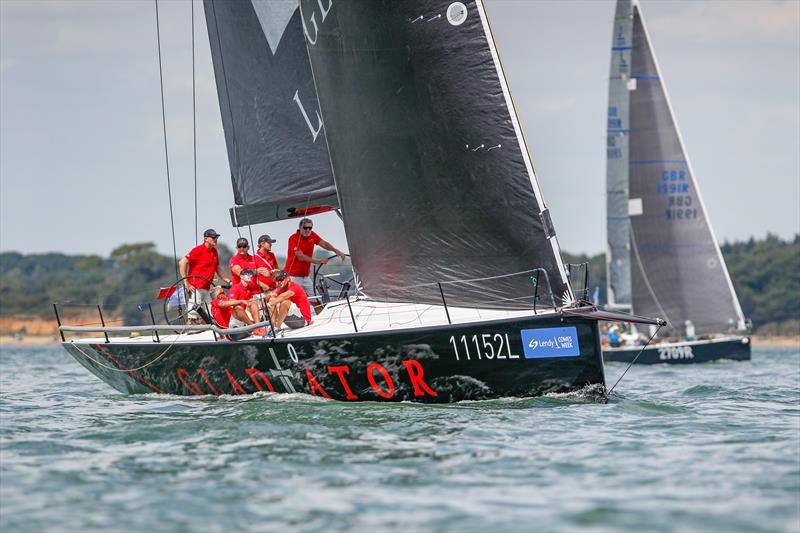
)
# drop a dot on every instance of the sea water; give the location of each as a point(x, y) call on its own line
point(694, 447)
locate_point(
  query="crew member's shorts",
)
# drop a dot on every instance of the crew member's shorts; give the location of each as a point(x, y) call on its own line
point(199, 298)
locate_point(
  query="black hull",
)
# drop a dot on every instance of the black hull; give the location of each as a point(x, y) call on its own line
point(732, 348)
point(410, 365)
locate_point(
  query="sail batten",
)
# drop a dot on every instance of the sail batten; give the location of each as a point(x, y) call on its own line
point(670, 259)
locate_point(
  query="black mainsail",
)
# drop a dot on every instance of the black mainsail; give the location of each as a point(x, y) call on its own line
point(270, 113)
point(663, 257)
point(432, 171)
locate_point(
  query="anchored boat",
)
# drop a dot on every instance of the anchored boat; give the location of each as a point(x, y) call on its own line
point(663, 258)
point(463, 293)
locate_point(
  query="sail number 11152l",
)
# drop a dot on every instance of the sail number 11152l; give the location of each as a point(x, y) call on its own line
point(484, 346)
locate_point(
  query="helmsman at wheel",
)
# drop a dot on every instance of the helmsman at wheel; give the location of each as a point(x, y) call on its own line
point(203, 262)
point(300, 254)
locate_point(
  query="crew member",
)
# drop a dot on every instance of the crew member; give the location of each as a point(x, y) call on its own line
point(246, 311)
point(300, 254)
point(289, 304)
point(222, 306)
point(201, 263)
point(243, 260)
point(266, 262)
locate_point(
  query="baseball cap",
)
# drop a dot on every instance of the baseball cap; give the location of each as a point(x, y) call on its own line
point(266, 238)
point(211, 233)
point(280, 276)
point(241, 242)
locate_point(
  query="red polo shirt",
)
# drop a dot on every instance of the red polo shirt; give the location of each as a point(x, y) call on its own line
point(269, 261)
point(239, 292)
point(245, 261)
point(299, 299)
point(295, 267)
point(222, 315)
point(203, 262)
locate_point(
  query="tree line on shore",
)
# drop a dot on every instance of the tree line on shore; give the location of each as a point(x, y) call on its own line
point(765, 273)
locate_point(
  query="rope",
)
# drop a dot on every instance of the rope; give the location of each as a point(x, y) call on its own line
point(194, 130)
point(115, 369)
point(166, 151)
point(634, 359)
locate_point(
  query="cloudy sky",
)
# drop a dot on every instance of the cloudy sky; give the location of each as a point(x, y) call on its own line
point(82, 155)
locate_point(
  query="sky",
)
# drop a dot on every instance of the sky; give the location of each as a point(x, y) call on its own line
point(82, 160)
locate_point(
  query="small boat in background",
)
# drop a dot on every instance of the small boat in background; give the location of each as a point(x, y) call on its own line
point(663, 258)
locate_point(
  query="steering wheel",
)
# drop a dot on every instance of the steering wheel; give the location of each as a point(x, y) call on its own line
point(334, 281)
point(177, 307)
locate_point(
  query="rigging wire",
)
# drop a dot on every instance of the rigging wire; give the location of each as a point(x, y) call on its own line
point(166, 150)
point(194, 129)
point(608, 395)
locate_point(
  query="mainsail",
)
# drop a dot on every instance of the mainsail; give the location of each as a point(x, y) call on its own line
point(663, 258)
point(432, 171)
point(270, 113)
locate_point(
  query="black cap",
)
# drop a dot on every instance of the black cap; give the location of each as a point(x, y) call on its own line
point(266, 238)
point(280, 276)
point(247, 272)
point(241, 242)
point(210, 233)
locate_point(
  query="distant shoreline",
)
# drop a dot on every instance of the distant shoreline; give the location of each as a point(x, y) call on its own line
point(759, 341)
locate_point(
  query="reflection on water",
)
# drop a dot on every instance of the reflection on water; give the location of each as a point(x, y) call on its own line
point(713, 446)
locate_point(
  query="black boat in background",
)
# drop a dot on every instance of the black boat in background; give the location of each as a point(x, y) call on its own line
point(663, 258)
point(447, 229)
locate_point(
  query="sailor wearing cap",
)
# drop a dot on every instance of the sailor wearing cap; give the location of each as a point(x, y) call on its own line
point(300, 254)
point(243, 260)
point(200, 264)
point(266, 262)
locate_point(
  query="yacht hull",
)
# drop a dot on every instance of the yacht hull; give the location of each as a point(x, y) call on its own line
point(438, 364)
point(732, 348)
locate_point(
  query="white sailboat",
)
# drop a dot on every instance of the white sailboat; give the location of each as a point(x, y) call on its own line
point(663, 258)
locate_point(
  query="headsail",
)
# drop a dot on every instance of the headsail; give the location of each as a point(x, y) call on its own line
point(432, 171)
point(676, 270)
point(273, 130)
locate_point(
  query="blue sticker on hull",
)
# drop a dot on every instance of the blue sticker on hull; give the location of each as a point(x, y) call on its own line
point(550, 342)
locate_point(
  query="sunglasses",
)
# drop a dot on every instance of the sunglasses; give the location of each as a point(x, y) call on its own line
point(308, 227)
point(244, 246)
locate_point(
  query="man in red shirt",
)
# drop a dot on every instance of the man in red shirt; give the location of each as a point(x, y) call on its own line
point(243, 260)
point(266, 262)
point(289, 304)
point(203, 262)
point(300, 254)
point(222, 306)
point(245, 312)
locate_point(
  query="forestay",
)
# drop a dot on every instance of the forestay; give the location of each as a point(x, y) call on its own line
point(270, 113)
point(432, 171)
point(671, 261)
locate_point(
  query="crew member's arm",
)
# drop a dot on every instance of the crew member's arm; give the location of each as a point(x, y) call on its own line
point(304, 258)
point(331, 248)
point(278, 298)
point(221, 274)
point(231, 303)
point(183, 267)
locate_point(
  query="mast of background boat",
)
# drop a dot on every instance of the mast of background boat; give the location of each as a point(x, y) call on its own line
point(741, 323)
point(618, 248)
